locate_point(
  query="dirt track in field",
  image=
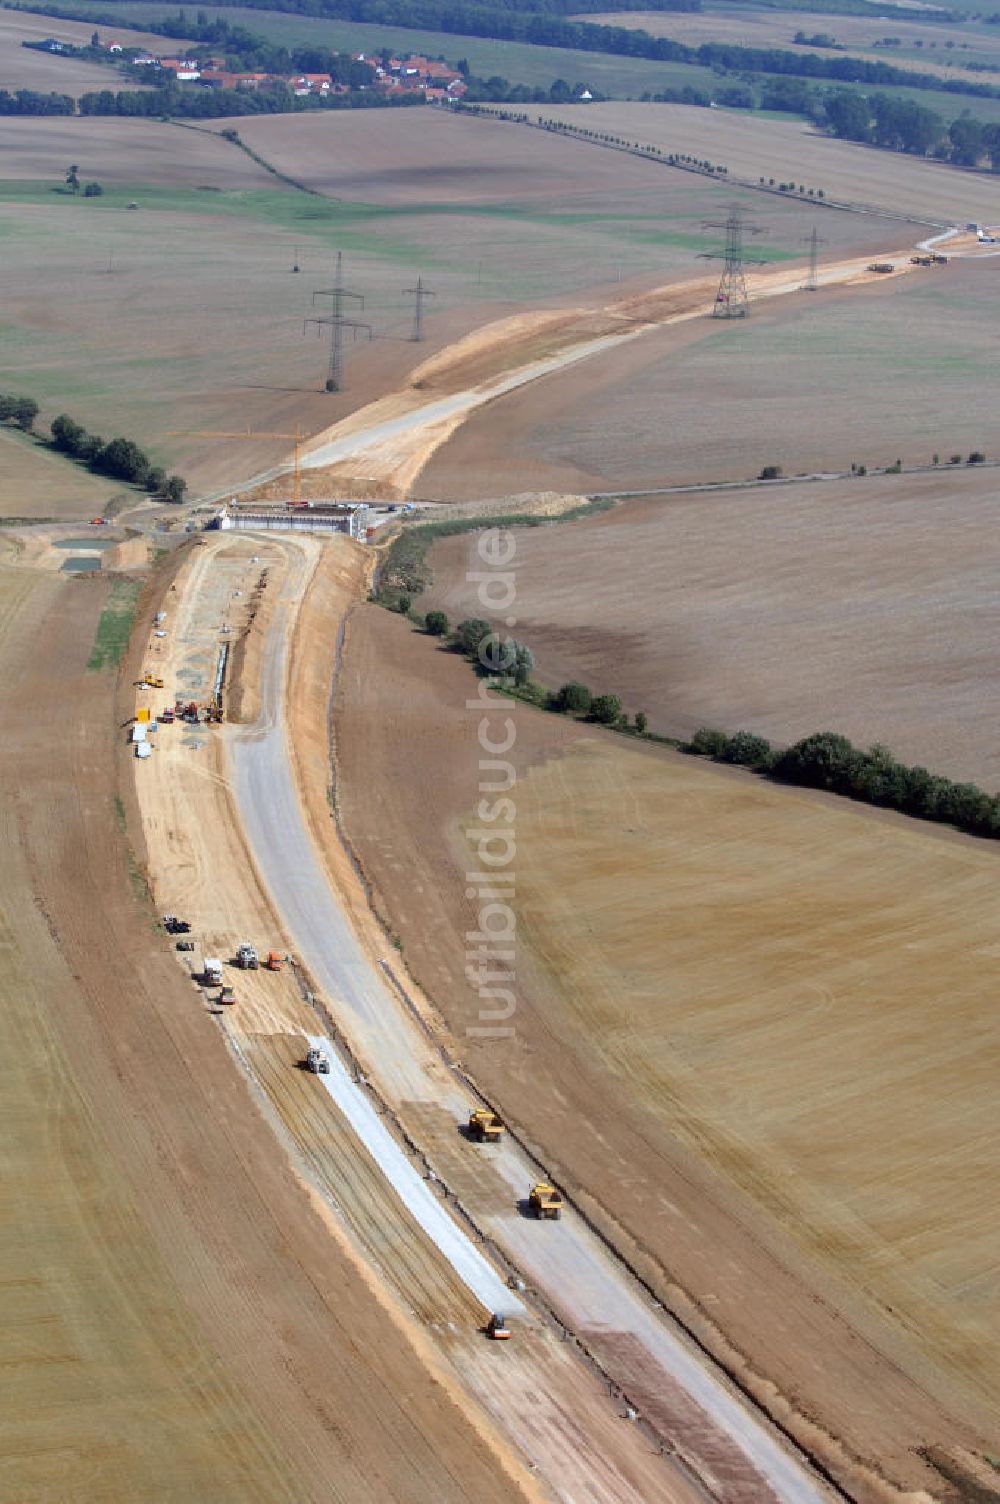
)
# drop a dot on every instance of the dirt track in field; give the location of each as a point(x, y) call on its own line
point(184, 1325)
point(786, 1285)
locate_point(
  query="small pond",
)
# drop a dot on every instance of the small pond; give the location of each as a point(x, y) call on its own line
point(80, 565)
point(84, 542)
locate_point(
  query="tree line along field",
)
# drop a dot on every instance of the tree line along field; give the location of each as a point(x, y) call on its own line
point(792, 150)
point(863, 607)
point(185, 313)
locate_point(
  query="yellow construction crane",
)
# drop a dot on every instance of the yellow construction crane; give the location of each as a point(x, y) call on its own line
point(253, 433)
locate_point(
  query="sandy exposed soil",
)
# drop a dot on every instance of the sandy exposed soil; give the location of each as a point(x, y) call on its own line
point(638, 1069)
point(784, 150)
point(185, 1325)
point(687, 606)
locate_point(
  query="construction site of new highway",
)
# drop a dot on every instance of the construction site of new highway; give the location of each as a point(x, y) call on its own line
point(379, 1277)
point(597, 1393)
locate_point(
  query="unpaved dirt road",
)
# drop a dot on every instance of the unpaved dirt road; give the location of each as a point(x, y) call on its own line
point(705, 1421)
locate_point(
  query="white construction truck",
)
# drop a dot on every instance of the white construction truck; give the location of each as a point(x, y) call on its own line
point(247, 958)
point(211, 970)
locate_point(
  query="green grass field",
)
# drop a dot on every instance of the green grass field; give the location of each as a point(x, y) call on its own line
point(114, 626)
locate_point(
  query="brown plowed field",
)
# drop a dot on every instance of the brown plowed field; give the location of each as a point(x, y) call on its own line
point(863, 606)
point(177, 1322)
point(734, 992)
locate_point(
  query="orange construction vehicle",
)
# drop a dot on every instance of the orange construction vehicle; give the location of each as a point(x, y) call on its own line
point(275, 960)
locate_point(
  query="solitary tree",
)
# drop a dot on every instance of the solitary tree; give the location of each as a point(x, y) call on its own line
point(174, 489)
point(606, 709)
point(575, 698)
point(436, 623)
point(469, 634)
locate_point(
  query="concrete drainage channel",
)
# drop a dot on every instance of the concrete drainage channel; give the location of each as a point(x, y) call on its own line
point(377, 1120)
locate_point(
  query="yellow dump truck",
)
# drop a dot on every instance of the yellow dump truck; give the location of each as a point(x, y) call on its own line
point(545, 1202)
point(485, 1127)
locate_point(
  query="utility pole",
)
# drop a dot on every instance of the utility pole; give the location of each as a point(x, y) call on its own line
point(339, 295)
point(732, 300)
point(295, 263)
point(814, 242)
point(420, 292)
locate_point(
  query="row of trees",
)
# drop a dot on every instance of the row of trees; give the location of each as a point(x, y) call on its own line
point(20, 410)
point(119, 458)
point(827, 760)
point(191, 102)
point(30, 102)
point(904, 125)
point(511, 663)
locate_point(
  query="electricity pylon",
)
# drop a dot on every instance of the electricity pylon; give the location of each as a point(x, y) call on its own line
point(732, 300)
point(420, 292)
point(338, 322)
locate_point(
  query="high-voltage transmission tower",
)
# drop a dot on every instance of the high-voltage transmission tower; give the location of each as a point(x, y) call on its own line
point(731, 300)
point(420, 292)
point(814, 242)
point(338, 322)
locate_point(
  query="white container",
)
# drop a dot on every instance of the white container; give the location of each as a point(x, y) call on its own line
point(139, 732)
point(143, 749)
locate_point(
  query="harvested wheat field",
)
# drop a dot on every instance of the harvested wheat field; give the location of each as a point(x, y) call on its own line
point(769, 1015)
point(811, 382)
point(751, 148)
point(178, 1323)
point(37, 483)
point(865, 606)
